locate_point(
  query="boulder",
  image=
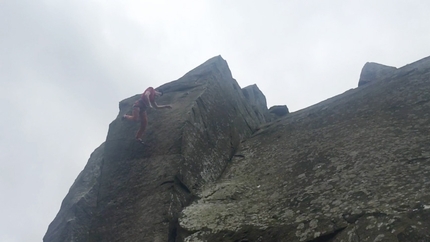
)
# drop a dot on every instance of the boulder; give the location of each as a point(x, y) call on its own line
point(278, 111)
point(373, 71)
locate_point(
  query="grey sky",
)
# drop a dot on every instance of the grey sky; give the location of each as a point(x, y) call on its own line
point(65, 65)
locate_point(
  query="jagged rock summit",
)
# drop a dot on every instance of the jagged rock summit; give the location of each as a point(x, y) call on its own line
point(221, 167)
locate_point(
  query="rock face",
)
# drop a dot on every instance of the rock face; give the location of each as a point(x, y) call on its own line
point(78, 207)
point(134, 192)
point(219, 167)
point(353, 168)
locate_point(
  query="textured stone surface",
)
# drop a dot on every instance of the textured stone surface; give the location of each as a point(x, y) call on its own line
point(355, 167)
point(141, 189)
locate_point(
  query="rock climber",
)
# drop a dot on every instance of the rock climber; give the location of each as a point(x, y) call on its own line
point(147, 100)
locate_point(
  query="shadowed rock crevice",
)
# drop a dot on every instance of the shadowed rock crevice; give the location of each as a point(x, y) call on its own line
point(327, 237)
point(173, 231)
point(178, 183)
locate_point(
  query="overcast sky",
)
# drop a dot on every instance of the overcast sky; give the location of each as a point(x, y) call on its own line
point(65, 65)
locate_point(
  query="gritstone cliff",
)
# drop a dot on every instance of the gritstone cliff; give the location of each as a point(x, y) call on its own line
point(220, 166)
